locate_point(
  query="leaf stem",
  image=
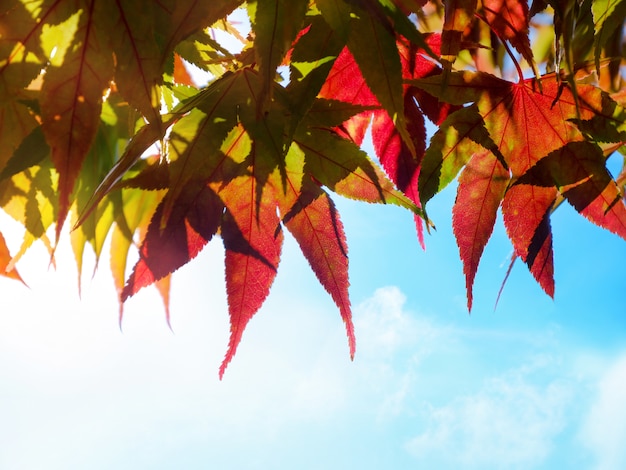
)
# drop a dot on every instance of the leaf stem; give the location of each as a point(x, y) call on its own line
point(517, 66)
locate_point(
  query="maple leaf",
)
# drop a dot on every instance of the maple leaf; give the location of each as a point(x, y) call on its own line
point(310, 215)
point(481, 188)
point(309, 67)
point(512, 114)
point(401, 160)
point(343, 167)
point(460, 135)
point(138, 57)
point(579, 171)
point(72, 101)
point(178, 19)
point(253, 240)
point(94, 230)
point(395, 156)
point(193, 221)
point(509, 20)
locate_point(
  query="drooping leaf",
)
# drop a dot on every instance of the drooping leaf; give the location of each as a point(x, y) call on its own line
point(374, 49)
point(95, 229)
point(253, 241)
point(72, 101)
point(525, 123)
point(139, 59)
point(402, 165)
point(137, 208)
point(526, 211)
point(193, 222)
point(312, 219)
point(309, 68)
point(481, 188)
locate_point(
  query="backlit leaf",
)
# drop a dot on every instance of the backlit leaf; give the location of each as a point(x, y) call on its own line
point(344, 168)
point(374, 49)
point(5, 258)
point(276, 24)
point(579, 171)
point(314, 222)
point(458, 16)
point(177, 19)
point(509, 19)
point(137, 210)
point(402, 165)
point(193, 222)
point(253, 241)
point(72, 101)
point(481, 188)
point(459, 136)
point(526, 211)
point(138, 57)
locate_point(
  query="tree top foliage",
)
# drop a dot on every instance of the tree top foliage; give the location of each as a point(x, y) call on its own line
point(104, 128)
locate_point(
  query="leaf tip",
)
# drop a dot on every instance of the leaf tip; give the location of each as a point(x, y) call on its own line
point(235, 338)
point(351, 335)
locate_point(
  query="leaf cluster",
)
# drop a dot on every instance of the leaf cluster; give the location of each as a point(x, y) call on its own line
point(102, 121)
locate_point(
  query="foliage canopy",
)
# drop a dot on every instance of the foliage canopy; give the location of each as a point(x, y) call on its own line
point(102, 123)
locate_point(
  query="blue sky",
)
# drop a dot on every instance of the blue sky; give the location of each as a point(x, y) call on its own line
point(534, 384)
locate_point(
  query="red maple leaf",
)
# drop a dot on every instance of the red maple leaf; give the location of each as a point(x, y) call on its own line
point(534, 151)
point(401, 160)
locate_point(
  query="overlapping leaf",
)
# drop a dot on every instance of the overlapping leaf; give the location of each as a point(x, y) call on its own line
point(276, 24)
point(459, 14)
point(400, 159)
point(532, 132)
point(192, 223)
point(315, 224)
point(71, 103)
point(253, 241)
point(481, 189)
point(509, 19)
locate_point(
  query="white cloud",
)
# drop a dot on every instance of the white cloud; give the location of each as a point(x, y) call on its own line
point(604, 430)
point(87, 395)
point(511, 422)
